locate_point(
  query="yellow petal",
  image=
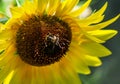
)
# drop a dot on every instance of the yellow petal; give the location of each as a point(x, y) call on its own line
point(96, 17)
point(5, 35)
point(7, 64)
point(18, 77)
point(7, 56)
point(8, 78)
point(53, 4)
point(22, 75)
point(101, 25)
point(59, 10)
point(46, 74)
point(16, 12)
point(103, 34)
point(80, 9)
point(89, 21)
point(9, 25)
point(38, 75)
point(77, 59)
point(92, 60)
point(69, 5)
point(5, 39)
point(94, 49)
point(80, 66)
point(93, 38)
point(29, 7)
point(41, 6)
point(4, 45)
point(100, 11)
point(65, 73)
point(4, 73)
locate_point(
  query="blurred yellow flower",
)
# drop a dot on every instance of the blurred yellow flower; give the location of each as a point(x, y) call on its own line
point(44, 42)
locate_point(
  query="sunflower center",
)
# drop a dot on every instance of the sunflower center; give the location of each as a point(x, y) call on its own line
point(43, 40)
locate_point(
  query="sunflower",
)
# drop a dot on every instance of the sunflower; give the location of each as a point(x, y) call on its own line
point(45, 42)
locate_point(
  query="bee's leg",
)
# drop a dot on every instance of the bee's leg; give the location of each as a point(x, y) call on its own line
point(46, 44)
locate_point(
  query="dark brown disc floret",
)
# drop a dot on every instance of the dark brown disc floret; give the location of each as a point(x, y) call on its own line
point(43, 40)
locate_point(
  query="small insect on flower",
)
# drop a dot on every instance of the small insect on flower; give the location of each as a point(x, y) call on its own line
point(52, 43)
point(52, 40)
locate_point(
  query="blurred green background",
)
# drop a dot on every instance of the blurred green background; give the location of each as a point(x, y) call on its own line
point(109, 72)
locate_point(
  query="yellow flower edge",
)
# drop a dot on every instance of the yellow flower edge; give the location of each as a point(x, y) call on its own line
point(84, 50)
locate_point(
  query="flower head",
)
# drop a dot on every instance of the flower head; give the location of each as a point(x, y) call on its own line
point(44, 42)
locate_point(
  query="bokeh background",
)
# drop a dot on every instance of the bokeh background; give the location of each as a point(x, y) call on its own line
point(109, 72)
